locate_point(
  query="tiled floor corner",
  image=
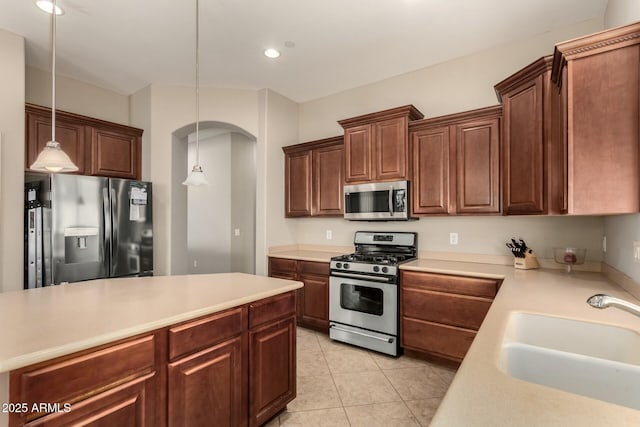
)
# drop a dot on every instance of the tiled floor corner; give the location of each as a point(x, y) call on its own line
point(341, 385)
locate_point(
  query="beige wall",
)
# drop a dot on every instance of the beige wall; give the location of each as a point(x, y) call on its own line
point(454, 86)
point(11, 160)
point(76, 96)
point(622, 230)
point(140, 117)
point(243, 203)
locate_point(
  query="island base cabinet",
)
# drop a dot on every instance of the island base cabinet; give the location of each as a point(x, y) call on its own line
point(272, 380)
point(207, 386)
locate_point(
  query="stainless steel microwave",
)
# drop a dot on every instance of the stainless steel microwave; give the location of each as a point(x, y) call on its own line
point(378, 201)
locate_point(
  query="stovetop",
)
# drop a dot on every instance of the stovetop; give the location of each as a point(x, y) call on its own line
point(375, 258)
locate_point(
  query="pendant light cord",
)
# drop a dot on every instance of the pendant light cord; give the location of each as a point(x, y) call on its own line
point(197, 86)
point(53, 74)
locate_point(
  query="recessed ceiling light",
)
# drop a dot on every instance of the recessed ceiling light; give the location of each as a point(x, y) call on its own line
point(47, 6)
point(271, 53)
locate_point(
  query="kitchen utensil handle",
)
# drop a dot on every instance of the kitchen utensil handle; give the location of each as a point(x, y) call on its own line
point(391, 200)
point(388, 340)
point(361, 277)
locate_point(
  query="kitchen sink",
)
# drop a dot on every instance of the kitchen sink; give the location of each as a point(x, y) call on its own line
point(589, 359)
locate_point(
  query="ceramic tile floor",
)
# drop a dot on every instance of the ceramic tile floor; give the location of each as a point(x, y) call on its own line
point(342, 385)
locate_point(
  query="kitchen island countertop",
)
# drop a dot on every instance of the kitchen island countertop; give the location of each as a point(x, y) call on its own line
point(481, 394)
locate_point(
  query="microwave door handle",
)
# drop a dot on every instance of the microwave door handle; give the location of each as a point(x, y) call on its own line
point(391, 201)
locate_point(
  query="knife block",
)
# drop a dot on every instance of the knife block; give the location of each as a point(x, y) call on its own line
point(529, 261)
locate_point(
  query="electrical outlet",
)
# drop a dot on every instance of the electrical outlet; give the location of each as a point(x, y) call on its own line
point(195, 263)
point(236, 232)
point(329, 235)
point(636, 251)
point(604, 243)
point(453, 238)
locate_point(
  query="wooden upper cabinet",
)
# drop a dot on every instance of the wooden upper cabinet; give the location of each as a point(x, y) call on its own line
point(596, 111)
point(526, 104)
point(314, 178)
point(97, 147)
point(456, 163)
point(328, 180)
point(478, 166)
point(377, 145)
point(70, 135)
point(297, 177)
point(115, 154)
point(431, 170)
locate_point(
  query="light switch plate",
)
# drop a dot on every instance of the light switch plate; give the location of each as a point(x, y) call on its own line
point(453, 238)
point(636, 251)
point(329, 235)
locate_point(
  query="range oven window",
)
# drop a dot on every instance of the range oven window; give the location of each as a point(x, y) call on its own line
point(360, 298)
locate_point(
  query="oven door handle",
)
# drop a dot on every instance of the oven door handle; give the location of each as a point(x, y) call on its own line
point(361, 277)
point(391, 201)
point(388, 340)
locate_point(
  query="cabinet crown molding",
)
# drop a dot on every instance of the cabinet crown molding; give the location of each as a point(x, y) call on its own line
point(409, 111)
point(531, 71)
point(304, 146)
point(451, 119)
point(593, 44)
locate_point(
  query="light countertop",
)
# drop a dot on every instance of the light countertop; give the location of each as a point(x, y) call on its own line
point(41, 324)
point(306, 254)
point(483, 395)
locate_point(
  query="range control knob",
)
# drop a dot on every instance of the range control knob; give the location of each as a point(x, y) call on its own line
point(345, 265)
point(385, 269)
point(338, 265)
point(376, 268)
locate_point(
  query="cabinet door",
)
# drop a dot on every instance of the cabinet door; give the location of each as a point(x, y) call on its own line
point(272, 379)
point(115, 154)
point(328, 180)
point(357, 154)
point(297, 181)
point(70, 135)
point(207, 386)
point(390, 149)
point(315, 303)
point(125, 406)
point(524, 177)
point(478, 162)
point(430, 186)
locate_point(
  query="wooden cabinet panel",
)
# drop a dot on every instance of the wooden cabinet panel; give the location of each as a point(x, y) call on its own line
point(443, 340)
point(357, 149)
point(456, 310)
point(205, 332)
point(315, 310)
point(124, 405)
point(270, 309)
point(298, 184)
point(282, 267)
point(272, 380)
point(115, 154)
point(390, 150)
point(478, 167)
point(474, 286)
point(430, 186)
point(328, 180)
point(207, 386)
point(70, 135)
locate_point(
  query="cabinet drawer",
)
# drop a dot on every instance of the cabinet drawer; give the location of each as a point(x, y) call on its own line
point(205, 332)
point(66, 380)
point(447, 341)
point(308, 267)
point(454, 284)
point(459, 310)
point(282, 267)
point(271, 308)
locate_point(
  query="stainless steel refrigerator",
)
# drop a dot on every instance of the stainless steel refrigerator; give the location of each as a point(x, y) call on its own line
point(83, 227)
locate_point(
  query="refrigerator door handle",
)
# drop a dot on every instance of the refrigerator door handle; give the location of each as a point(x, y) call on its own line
point(107, 227)
point(114, 226)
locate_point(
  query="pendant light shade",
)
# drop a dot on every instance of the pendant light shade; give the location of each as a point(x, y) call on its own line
point(197, 177)
point(52, 158)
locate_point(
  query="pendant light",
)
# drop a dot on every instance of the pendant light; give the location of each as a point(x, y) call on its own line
point(52, 158)
point(197, 177)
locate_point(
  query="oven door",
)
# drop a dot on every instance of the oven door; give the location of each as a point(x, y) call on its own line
point(364, 303)
point(377, 201)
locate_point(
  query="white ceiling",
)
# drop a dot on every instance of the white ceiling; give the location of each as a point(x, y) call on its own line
point(123, 45)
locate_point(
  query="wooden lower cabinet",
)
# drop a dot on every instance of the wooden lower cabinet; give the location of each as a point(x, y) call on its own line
point(232, 368)
point(440, 313)
point(272, 381)
point(207, 386)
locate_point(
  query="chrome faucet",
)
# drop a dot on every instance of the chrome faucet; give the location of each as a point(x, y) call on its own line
point(604, 301)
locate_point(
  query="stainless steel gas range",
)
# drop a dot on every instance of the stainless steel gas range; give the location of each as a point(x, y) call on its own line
point(364, 291)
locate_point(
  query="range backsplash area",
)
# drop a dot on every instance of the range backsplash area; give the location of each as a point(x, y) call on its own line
point(476, 235)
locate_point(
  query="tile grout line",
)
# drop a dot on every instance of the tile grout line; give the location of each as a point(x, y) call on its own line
point(333, 380)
